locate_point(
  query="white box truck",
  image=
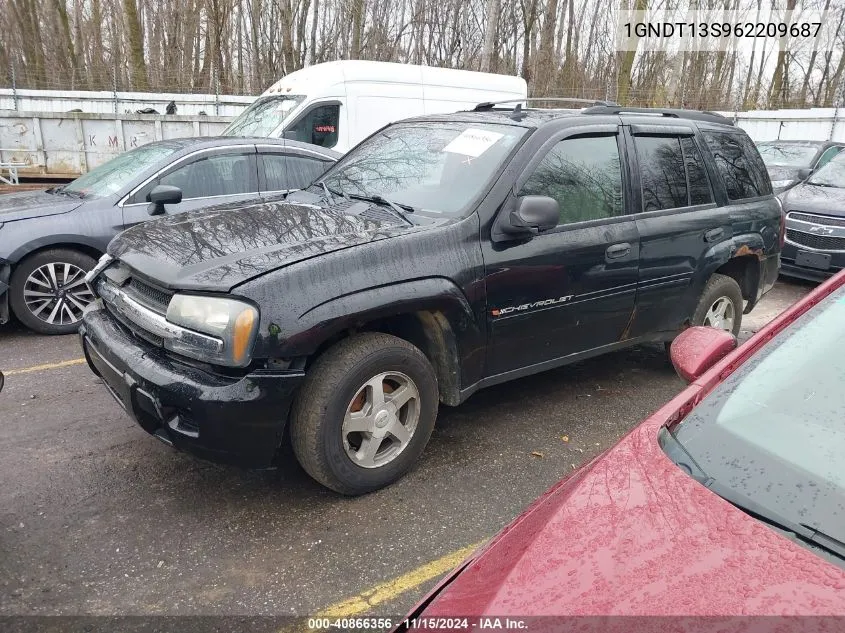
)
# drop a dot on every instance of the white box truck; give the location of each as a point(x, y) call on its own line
point(338, 104)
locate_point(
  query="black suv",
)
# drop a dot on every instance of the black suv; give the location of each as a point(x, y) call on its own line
point(442, 255)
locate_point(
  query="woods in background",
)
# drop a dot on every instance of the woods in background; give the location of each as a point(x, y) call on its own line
point(561, 47)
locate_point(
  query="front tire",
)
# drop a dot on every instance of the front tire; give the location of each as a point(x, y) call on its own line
point(720, 305)
point(365, 413)
point(47, 291)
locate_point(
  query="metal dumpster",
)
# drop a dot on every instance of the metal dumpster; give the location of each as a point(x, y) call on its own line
point(68, 144)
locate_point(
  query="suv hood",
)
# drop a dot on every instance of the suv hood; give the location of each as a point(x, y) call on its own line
point(816, 199)
point(32, 204)
point(633, 534)
point(221, 247)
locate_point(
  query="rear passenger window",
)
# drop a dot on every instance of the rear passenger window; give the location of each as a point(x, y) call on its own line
point(739, 164)
point(699, 185)
point(584, 175)
point(290, 172)
point(672, 173)
point(662, 174)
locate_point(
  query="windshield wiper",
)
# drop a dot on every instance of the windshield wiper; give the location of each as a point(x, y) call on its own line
point(400, 208)
point(62, 191)
point(679, 455)
point(72, 194)
point(329, 193)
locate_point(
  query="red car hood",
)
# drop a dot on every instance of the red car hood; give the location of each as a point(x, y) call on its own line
point(632, 534)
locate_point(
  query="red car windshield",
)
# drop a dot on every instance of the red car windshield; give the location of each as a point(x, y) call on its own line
point(774, 431)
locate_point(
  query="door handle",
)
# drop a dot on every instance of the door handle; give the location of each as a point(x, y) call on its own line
point(713, 235)
point(618, 250)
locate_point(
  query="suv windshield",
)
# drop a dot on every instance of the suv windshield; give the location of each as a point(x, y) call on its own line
point(787, 154)
point(263, 116)
point(112, 176)
point(434, 166)
point(831, 175)
point(774, 432)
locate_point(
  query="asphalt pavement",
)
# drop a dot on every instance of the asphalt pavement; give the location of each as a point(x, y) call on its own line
point(99, 518)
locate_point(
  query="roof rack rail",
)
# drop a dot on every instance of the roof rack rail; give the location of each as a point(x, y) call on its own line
point(489, 105)
point(695, 115)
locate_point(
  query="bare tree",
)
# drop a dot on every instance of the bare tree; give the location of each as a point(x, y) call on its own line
point(488, 50)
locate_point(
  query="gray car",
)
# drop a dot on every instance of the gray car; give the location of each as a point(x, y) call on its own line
point(50, 239)
point(790, 162)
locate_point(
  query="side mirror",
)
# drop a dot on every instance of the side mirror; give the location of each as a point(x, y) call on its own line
point(162, 195)
point(804, 173)
point(531, 215)
point(697, 349)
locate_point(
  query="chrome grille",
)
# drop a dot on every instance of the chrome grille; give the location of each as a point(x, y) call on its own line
point(149, 324)
point(154, 298)
point(816, 242)
point(816, 219)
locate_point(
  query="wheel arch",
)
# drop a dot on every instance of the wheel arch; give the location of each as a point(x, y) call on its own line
point(741, 260)
point(69, 242)
point(433, 314)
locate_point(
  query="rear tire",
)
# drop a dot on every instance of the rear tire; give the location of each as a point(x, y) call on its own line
point(720, 305)
point(47, 292)
point(354, 398)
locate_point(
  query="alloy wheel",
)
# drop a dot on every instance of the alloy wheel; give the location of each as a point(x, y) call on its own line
point(56, 293)
point(720, 315)
point(381, 419)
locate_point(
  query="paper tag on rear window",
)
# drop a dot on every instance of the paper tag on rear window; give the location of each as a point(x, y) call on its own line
point(472, 142)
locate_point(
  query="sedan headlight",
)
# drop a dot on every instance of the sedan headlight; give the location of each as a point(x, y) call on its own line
point(781, 184)
point(233, 322)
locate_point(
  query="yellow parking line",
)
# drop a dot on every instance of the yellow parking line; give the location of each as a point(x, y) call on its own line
point(385, 591)
point(59, 365)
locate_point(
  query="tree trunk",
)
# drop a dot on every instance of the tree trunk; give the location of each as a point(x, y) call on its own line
point(358, 8)
point(488, 48)
point(313, 38)
point(776, 92)
point(137, 65)
point(626, 64)
point(546, 62)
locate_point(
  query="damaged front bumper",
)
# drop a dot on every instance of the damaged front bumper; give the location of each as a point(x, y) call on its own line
point(230, 419)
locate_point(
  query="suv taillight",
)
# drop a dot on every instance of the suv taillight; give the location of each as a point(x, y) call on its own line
point(782, 236)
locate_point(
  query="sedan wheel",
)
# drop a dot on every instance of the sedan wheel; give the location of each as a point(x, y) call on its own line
point(48, 292)
point(56, 293)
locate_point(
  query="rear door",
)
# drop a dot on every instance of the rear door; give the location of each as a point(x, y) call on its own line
point(281, 170)
point(679, 223)
point(206, 178)
point(571, 289)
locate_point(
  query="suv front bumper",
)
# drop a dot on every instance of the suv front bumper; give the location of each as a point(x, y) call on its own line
point(789, 267)
point(236, 420)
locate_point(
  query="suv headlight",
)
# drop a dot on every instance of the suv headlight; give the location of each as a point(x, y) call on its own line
point(232, 321)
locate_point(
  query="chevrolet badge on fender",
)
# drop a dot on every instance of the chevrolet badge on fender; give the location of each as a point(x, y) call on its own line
point(530, 306)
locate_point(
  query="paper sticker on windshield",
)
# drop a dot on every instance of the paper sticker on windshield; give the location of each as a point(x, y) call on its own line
point(472, 142)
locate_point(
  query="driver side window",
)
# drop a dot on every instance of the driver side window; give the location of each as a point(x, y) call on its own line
point(584, 175)
point(319, 126)
point(206, 176)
